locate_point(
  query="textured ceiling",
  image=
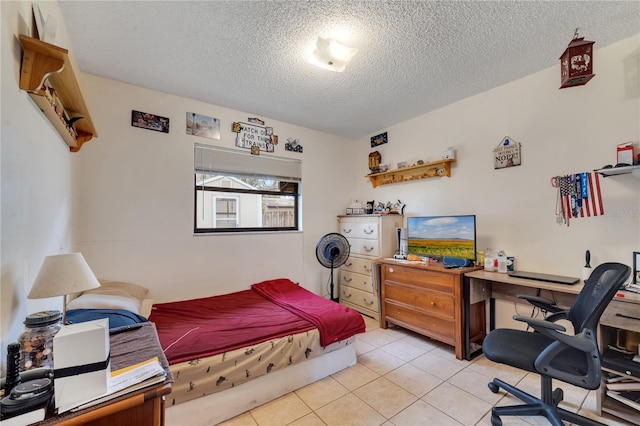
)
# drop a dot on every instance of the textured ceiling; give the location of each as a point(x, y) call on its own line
point(414, 56)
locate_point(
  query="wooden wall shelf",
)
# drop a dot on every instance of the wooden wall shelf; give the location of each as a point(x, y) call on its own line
point(48, 75)
point(406, 174)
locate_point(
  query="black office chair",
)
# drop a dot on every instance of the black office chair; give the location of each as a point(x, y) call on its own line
point(553, 354)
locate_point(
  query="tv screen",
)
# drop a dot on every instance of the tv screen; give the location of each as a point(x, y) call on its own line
point(440, 236)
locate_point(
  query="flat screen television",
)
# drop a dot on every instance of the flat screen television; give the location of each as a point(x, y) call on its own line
point(442, 236)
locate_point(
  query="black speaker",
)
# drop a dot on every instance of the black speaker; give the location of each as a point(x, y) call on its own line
point(456, 262)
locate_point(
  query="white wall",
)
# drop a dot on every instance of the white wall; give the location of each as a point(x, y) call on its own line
point(561, 131)
point(126, 199)
point(37, 182)
point(135, 211)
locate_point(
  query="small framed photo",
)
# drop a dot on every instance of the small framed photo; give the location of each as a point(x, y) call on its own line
point(636, 267)
point(379, 139)
point(203, 126)
point(144, 120)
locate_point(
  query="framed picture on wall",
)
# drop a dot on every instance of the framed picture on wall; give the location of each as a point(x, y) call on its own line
point(144, 120)
point(203, 126)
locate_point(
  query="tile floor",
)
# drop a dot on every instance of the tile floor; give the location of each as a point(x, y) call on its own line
point(402, 378)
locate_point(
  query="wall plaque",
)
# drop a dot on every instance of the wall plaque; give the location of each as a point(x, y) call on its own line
point(506, 154)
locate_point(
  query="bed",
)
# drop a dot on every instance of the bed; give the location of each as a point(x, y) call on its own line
point(233, 352)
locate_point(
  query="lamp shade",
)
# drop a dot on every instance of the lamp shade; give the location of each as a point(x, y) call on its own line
point(63, 274)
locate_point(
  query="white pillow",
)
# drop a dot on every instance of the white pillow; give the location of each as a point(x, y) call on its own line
point(111, 295)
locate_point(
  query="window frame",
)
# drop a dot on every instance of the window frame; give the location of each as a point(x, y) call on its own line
point(291, 189)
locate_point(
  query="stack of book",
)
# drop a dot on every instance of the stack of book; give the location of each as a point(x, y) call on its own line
point(124, 381)
point(624, 390)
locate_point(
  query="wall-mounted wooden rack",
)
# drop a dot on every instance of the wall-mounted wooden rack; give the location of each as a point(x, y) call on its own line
point(48, 75)
point(406, 174)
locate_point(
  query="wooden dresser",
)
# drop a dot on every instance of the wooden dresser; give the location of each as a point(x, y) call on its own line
point(370, 236)
point(427, 299)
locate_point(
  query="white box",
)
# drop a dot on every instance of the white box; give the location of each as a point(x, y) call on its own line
point(81, 363)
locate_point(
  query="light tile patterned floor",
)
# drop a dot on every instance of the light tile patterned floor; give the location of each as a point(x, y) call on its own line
point(402, 378)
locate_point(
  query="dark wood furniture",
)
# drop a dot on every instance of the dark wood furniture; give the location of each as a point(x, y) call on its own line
point(428, 299)
point(144, 407)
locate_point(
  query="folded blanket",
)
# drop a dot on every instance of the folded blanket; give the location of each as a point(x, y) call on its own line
point(116, 317)
point(334, 321)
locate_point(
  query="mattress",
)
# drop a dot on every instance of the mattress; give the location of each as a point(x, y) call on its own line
point(219, 342)
point(204, 376)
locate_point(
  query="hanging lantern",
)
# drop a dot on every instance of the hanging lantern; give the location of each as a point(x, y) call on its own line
point(576, 63)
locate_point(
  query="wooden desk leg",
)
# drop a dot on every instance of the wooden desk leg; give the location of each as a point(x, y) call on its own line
point(492, 314)
point(466, 297)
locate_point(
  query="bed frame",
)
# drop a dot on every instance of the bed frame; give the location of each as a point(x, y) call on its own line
point(218, 407)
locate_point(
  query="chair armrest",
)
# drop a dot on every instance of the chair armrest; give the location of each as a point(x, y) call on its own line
point(539, 324)
point(581, 341)
point(540, 302)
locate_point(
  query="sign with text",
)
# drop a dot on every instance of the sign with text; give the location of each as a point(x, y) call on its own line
point(506, 154)
point(250, 136)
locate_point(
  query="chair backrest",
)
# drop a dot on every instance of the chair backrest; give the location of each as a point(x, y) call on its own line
point(599, 289)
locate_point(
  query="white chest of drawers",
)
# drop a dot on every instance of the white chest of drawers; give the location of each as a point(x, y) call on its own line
point(370, 237)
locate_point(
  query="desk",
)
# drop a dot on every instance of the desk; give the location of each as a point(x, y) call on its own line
point(484, 285)
point(623, 313)
point(142, 407)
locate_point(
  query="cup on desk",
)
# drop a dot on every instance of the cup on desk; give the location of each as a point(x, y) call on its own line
point(503, 264)
point(489, 263)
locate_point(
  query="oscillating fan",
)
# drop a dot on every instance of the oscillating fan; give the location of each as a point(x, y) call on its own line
point(332, 251)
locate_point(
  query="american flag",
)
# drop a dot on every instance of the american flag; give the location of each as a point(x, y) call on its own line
point(580, 195)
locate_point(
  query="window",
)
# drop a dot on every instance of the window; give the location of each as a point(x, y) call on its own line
point(236, 191)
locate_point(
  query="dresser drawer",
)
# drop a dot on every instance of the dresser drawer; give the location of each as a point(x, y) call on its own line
point(429, 325)
point(359, 228)
point(623, 315)
point(364, 247)
point(412, 277)
point(358, 281)
point(359, 298)
point(358, 265)
point(430, 302)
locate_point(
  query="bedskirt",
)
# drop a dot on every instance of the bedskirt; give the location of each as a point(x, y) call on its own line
point(216, 373)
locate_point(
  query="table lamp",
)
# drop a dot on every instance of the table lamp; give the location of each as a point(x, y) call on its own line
point(61, 275)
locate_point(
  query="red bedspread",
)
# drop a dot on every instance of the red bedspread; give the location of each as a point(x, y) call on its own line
point(335, 322)
point(198, 328)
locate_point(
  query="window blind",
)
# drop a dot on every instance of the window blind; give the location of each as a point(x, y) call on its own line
point(217, 160)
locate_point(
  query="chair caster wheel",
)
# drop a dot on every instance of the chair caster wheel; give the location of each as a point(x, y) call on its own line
point(495, 420)
point(558, 396)
point(493, 387)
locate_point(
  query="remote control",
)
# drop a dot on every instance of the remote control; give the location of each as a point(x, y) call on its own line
point(13, 367)
point(124, 328)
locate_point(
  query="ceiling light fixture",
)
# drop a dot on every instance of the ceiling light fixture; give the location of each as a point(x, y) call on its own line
point(331, 55)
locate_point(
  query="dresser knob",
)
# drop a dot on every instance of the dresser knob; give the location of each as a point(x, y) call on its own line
point(433, 303)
